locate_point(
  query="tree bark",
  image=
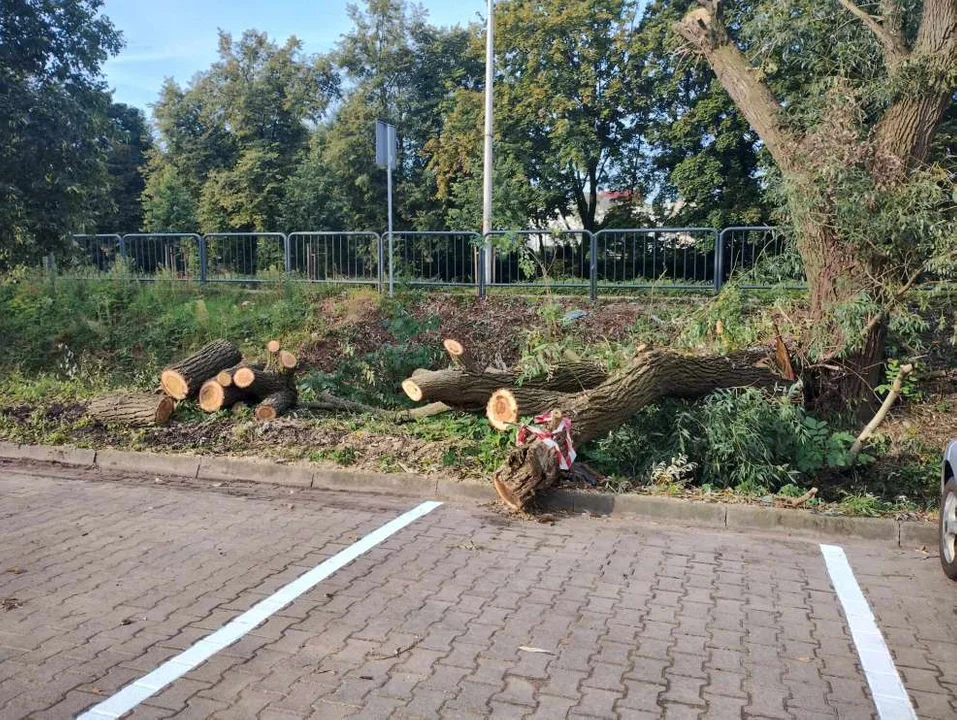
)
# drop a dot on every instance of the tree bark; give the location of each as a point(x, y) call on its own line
point(260, 383)
point(460, 388)
point(651, 376)
point(184, 379)
point(276, 404)
point(134, 410)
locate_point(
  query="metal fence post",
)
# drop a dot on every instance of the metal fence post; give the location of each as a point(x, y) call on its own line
point(481, 270)
point(593, 267)
point(381, 244)
point(286, 248)
point(203, 259)
point(719, 259)
point(123, 248)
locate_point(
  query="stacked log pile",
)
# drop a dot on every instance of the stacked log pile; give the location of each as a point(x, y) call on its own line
point(218, 377)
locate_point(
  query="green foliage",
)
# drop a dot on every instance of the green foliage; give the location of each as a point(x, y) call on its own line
point(125, 329)
point(738, 439)
point(374, 377)
point(54, 122)
point(722, 321)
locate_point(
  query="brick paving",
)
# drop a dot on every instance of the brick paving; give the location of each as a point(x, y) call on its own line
point(638, 620)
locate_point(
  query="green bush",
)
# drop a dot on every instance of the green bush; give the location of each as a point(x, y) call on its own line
point(741, 439)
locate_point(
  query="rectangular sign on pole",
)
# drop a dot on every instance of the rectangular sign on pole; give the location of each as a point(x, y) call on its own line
point(385, 144)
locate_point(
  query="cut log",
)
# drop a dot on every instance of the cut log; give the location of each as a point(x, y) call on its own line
point(134, 410)
point(649, 377)
point(460, 356)
point(460, 388)
point(287, 360)
point(184, 379)
point(225, 377)
point(276, 404)
point(260, 383)
point(214, 397)
point(273, 346)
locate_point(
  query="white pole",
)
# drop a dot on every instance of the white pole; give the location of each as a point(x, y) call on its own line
point(487, 193)
point(388, 174)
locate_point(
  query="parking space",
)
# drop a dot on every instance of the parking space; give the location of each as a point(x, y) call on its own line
point(463, 613)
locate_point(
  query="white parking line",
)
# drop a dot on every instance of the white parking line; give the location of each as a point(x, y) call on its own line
point(148, 685)
point(890, 695)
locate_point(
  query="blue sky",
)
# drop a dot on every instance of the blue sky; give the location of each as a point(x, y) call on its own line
point(177, 38)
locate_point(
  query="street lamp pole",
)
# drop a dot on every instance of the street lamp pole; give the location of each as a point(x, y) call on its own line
point(487, 191)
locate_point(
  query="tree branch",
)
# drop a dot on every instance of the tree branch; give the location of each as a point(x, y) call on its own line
point(894, 49)
point(704, 29)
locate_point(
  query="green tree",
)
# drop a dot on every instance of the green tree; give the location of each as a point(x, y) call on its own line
point(53, 121)
point(168, 204)
point(129, 146)
point(848, 99)
point(569, 107)
point(235, 134)
point(705, 158)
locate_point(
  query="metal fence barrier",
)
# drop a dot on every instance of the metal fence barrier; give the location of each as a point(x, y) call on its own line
point(177, 255)
point(676, 258)
point(245, 256)
point(435, 257)
point(540, 258)
point(692, 258)
point(336, 257)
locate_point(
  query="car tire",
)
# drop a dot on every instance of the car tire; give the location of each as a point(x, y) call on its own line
point(948, 529)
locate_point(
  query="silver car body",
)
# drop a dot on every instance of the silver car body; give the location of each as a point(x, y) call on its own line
point(949, 466)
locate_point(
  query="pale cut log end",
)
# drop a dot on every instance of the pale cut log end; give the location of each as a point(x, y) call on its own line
point(411, 389)
point(273, 346)
point(502, 409)
point(211, 396)
point(244, 377)
point(266, 412)
point(506, 496)
point(224, 378)
point(174, 384)
point(165, 410)
point(453, 347)
point(288, 360)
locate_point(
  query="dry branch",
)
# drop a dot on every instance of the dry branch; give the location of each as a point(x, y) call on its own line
point(885, 407)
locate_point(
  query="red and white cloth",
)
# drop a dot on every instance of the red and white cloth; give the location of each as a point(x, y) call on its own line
point(559, 439)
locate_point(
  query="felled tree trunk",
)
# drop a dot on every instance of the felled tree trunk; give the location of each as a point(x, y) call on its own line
point(461, 388)
point(650, 376)
point(214, 397)
point(260, 383)
point(134, 410)
point(276, 404)
point(184, 379)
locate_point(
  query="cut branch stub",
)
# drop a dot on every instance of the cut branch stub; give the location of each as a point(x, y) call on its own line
point(273, 346)
point(184, 379)
point(133, 410)
point(287, 360)
point(460, 356)
point(225, 377)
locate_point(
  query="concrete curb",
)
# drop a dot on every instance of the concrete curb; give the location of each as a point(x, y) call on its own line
point(903, 533)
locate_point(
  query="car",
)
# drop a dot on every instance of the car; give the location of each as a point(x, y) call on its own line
point(948, 511)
